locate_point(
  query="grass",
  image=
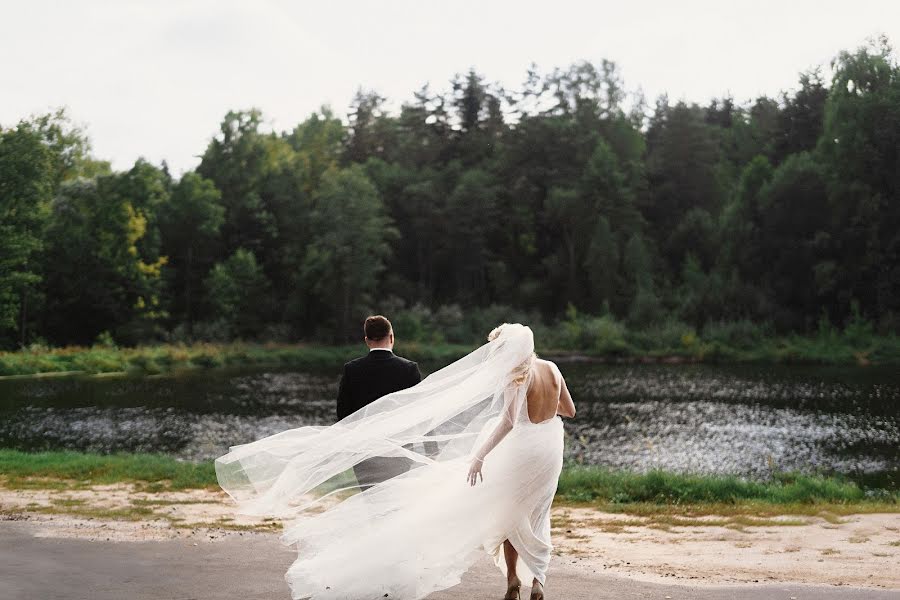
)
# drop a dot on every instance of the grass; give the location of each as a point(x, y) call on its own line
point(725, 342)
point(655, 493)
point(87, 512)
point(618, 490)
point(164, 358)
point(602, 337)
point(139, 512)
point(66, 470)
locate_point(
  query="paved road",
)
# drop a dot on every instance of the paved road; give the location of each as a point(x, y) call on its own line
point(252, 567)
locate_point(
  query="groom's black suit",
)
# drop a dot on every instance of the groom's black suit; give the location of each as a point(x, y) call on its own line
point(377, 374)
point(365, 380)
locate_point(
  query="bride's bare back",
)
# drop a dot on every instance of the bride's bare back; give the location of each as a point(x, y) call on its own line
point(547, 395)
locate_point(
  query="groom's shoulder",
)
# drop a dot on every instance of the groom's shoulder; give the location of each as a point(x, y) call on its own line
point(395, 359)
point(350, 364)
point(404, 360)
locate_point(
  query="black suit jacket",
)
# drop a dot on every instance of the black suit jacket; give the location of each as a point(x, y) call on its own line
point(370, 377)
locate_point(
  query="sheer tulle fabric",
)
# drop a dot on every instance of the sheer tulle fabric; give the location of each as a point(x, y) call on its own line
point(419, 531)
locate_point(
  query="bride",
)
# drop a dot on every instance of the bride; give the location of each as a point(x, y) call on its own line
point(485, 446)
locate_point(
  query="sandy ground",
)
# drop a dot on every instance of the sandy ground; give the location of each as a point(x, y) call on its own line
point(857, 550)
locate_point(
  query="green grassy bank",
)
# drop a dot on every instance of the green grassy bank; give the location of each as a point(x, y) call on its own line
point(598, 340)
point(172, 357)
point(611, 490)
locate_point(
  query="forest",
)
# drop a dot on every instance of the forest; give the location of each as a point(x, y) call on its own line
point(566, 202)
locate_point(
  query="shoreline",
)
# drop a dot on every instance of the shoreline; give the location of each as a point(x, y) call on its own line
point(614, 490)
point(858, 550)
point(159, 359)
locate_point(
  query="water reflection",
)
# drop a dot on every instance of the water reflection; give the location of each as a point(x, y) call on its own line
point(742, 420)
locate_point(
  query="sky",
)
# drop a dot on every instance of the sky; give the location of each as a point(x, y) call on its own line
point(153, 79)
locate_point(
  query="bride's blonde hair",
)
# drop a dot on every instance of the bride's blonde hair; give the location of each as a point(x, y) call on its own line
point(523, 370)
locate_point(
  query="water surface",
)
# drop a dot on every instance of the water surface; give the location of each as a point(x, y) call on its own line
point(746, 420)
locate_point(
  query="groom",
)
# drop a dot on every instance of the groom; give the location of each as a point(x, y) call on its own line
point(369, 378)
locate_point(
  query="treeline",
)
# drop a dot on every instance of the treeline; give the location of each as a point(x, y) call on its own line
point(565, 195)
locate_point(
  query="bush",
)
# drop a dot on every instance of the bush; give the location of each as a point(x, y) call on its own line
point(450, 323)
point(105, 340)
point(669, 336)
point(858, 331)
point(416, 324)
point(738, 334)
point(596, 484)
point(216, 330)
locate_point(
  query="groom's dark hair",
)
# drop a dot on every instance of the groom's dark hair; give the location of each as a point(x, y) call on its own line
point(377, 327)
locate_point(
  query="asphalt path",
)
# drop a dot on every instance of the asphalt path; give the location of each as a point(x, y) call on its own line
point(252, 567)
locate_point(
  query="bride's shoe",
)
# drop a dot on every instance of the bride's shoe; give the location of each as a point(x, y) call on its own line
point(537, 591)
point(513, 591)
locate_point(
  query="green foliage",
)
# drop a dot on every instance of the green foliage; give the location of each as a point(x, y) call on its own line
point(681, 162)
point(64, 469)
point(348, 245)
point(96, 264)
point(106, 357)
point(68, 146)
point(25, 192)
point(99, 469)
point(602, 265)
point(475, 205)
point(592, 484)
point(449, 332)
point(237, 290)
point(743, 334)
point(858, 149)
point(190, 223)
point(602, 335)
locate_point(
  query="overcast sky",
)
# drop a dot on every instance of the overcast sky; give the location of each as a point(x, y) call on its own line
point(154, 78)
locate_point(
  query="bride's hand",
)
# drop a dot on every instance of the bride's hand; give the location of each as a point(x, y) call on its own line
point(475, 471)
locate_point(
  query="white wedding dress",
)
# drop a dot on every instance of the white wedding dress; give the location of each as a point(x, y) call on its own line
point(417, 532)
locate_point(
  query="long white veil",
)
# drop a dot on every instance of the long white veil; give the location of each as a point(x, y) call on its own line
point(441, 419)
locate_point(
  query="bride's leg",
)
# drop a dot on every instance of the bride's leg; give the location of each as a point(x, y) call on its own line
point(512, 557)
point(513, 585)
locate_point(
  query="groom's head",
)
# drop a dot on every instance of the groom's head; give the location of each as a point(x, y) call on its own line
point(379, 333)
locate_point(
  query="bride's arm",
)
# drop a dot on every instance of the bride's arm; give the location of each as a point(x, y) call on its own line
point(566, 406)
point(507, 418)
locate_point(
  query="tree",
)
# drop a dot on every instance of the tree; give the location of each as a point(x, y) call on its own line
point(682, 160)
point(645, 306)
point(793, 239)
point(238, 292)
point(239, 162)
point(470, 101)
point(471, 219)
point(860, 150)
point(348, 247)
point(602, 266)
point(191, 220)
point(318, 142)
point(604, 186)
point(479, 119)
point(741, 250)
point(96, 278)
point(572, 215)
point(69, 146)
point(775, 209)
point(801, 118)
point(266, 185)
point(26, 182)
point(368, 134)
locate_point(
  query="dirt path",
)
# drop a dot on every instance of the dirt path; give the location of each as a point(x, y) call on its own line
point(858, 550)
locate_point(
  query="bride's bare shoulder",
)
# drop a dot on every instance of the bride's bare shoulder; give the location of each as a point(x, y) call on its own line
point(546, 363)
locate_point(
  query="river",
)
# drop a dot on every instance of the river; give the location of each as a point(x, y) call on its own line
point(744, 420)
